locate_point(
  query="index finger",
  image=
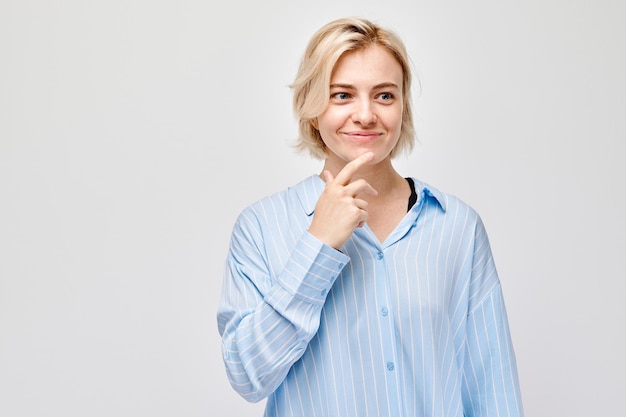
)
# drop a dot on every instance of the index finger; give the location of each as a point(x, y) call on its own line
point(345, 175)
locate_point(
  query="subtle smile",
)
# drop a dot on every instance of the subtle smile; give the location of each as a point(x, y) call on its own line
point(362, 136)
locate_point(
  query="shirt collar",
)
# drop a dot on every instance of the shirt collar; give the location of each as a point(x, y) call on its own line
point(310, 189)
point(424, 190)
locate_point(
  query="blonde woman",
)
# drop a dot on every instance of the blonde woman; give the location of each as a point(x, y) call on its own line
point(361, 292)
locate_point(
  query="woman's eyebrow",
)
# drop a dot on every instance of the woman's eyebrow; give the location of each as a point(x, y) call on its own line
point(341, 85)
point(376, 87)
point(386, 85)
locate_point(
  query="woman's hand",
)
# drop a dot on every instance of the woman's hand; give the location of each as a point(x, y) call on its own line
point(341, 208)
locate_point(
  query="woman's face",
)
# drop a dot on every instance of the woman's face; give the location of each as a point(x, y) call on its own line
point(365, 109)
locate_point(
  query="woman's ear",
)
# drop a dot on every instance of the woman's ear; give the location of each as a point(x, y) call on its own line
point(315, 124)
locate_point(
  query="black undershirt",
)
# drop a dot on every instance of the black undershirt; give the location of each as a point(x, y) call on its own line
point(413, 196)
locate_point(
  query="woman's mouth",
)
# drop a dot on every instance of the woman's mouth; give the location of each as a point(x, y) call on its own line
point(362, 136)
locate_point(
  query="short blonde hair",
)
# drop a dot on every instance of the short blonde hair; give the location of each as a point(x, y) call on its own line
point(311, 87)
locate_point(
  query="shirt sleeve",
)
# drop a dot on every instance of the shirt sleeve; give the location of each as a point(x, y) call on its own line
point(491, 386)
point(490, 379)
point(266, 321)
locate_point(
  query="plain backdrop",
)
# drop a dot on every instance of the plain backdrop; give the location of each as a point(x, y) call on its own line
point(132, 133)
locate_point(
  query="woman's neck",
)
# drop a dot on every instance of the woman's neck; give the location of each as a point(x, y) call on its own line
point(386, 210)
point(382, 176)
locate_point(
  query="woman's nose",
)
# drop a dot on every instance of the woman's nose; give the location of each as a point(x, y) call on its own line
point(364, 114)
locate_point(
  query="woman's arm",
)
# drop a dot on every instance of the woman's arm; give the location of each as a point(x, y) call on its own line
point(491, 386)
point(266, 321)
point(490, 379)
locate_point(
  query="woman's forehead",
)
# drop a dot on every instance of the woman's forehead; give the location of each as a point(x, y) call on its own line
point(372, 65)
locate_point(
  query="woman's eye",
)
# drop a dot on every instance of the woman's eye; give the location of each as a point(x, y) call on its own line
point(340, 96)
point(386, 96)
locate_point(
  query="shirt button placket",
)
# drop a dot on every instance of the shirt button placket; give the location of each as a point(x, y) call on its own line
point(385, 314)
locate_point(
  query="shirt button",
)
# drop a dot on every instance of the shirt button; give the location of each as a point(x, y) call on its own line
point(390, 366)
point(379, 255)
point(384, 311)
point(323, 292)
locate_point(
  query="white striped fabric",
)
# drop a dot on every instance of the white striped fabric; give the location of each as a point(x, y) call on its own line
point(415, 326)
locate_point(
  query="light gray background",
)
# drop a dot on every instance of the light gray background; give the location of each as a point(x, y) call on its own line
point(132, 132)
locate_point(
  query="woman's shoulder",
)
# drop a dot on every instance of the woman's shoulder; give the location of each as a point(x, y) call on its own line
point(447, 202)
point(300, 197)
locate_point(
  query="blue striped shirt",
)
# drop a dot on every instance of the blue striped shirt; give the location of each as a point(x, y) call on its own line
point(415, 326)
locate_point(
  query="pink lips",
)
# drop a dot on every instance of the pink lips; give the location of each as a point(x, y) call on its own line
point(363, 135)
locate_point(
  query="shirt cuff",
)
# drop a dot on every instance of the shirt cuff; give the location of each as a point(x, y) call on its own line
point(312, 269)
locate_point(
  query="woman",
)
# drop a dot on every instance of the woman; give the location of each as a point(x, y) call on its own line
point(360, 292)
